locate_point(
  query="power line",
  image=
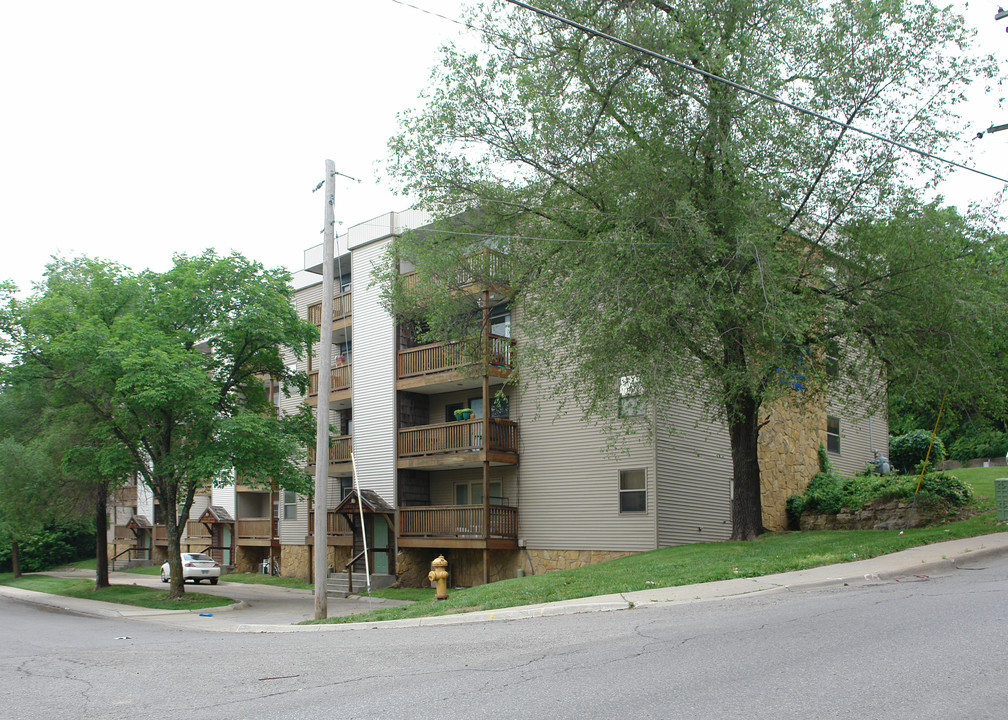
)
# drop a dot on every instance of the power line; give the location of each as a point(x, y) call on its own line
point(744, 88)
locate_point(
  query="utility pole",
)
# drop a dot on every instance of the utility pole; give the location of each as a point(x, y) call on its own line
point(321, 544)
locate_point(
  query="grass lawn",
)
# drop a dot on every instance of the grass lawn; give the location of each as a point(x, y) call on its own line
point(702, 562)
point(122, 594)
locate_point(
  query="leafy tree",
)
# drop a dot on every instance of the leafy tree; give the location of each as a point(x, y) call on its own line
point(172, 366)
point(668, 227)
point(35, 489)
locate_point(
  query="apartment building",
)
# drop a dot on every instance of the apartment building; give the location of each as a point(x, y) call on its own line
point(453, 459)
point(238, 524)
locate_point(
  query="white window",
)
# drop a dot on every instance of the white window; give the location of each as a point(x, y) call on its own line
point(500, 323)
point(633, 491)
point(631, 402)
point(289, 505)
point(833, 434)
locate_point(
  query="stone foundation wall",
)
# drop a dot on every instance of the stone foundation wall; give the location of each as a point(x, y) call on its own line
point(412, 566)
point(788, 458)
point(544, 561)
point(249, 559)
point(465, 567)
point(880, 515)
point(294, 561)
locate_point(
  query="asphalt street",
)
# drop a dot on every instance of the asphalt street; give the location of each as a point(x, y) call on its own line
point(919, 645)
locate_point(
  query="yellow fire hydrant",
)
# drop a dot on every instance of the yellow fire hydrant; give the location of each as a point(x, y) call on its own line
point(439, 576)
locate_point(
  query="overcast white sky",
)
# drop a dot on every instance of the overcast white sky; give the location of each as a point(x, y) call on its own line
point(132, 130)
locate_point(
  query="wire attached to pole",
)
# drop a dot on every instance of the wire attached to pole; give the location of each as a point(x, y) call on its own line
point(927, 457)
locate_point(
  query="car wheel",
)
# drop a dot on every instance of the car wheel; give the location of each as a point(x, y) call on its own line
point(213, 581)
point(164, 578)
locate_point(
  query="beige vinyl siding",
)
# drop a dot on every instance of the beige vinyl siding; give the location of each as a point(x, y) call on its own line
point(293, 532)
point(694, 476)
point(225, 497)
point(855, 446)
point(569, 480)
point(373, 385)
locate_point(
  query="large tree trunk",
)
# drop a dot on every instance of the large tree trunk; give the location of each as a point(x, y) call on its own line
point(177, 589)
point(15, 558)
point(742, 407)
point(101, 537)
point(746, 505)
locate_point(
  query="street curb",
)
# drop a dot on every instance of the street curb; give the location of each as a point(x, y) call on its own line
point(100, 608)
point(919, 561)
point(568, 607)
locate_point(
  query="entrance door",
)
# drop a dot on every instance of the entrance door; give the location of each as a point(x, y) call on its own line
point(226, 543)
point(380, 550)
point(143, 544)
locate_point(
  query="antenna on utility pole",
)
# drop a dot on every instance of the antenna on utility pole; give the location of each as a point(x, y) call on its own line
point(321, 544)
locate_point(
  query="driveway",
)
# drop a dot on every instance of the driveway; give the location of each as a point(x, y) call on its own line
point(254, 604)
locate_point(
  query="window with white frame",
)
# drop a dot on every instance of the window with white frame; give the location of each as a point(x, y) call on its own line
point(631, 402)
point(633, 491)
point(833, 434)
point(289, 505)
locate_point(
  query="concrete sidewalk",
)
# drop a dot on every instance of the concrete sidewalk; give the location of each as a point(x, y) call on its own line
point(268, 609)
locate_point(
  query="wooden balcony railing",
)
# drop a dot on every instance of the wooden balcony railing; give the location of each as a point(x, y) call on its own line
point(460, 436)
point(123, 533)
point(336, 524)
point(339, 379)
point(254, 529)
point(197, 530)
point(339, 450)
point(160, 534)
point(451, 521)
point(444, 356)
point(126, 495)
point(483, 268)
point(341, 309)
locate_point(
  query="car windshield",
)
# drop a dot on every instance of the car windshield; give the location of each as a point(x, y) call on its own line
point(198, 556)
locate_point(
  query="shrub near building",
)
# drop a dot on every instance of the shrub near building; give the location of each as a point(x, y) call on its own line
point(907, 451)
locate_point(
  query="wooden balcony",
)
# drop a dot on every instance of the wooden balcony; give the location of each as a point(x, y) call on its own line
point(338, 530)
point(339, 452)
point(339, 385)
point(253, 531)
point(485, 269)
point(457, 526)
point(445, 363)
point(342, 311)
point(197, 532)
point(126, 495)
point(123, 534)
point(160, 535)
point(458, 444)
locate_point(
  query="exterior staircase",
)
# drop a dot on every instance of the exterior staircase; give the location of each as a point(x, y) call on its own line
point(124, 564)
point(336, 583)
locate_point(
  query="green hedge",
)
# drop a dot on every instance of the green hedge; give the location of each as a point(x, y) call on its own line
point(907, 451)
point(828, 493)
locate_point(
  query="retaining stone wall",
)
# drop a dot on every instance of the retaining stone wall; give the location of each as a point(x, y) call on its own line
point(878, 515)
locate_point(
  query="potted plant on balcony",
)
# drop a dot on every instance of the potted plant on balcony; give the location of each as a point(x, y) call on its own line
point(463, 414)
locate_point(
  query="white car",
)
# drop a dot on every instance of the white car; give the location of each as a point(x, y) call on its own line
point(195, 567)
